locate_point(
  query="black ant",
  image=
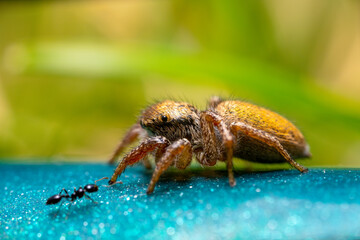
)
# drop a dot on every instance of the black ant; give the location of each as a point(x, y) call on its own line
point(79, 193)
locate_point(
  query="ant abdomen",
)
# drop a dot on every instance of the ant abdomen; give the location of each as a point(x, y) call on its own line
point(54, 199)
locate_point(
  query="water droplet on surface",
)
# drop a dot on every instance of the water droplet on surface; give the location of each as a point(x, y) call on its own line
point(272, 224)
point(170, 231)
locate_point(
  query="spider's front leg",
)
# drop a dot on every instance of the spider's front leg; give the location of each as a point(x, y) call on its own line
point(212, 150)
point(180, 152)
point(131, 136)
point(138, 153)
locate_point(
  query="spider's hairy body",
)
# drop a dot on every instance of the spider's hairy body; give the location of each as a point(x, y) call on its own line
point(183, 121)
point(175, 132)
point(251, 149)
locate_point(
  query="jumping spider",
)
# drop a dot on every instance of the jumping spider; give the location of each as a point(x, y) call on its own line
point(176, 131)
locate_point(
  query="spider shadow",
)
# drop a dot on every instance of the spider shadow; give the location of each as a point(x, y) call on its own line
point(183, 178)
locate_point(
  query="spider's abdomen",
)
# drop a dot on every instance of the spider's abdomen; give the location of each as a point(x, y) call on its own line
point(266, 121)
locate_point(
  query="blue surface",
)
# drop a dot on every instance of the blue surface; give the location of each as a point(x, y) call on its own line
point(322, 204)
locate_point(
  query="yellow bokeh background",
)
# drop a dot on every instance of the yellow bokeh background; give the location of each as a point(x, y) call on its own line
point(75, 75)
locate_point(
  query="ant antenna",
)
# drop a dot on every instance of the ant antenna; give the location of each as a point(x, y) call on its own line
point(118, 182)
point(101, 179)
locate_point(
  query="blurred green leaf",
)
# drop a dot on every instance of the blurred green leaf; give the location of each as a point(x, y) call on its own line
point(330, 123)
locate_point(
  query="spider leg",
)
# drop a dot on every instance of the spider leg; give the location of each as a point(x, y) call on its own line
point(212, 150)
point(138, 153)
point(131, 136)
point(146, 162)
point(158, 154)
point(179, 147)
point(184, 158)
point(269, 140)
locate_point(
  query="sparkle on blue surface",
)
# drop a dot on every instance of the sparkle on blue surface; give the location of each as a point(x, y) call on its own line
point(321, 204)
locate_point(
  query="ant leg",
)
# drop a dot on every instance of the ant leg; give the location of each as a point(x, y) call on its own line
point(58, 210)
point(139, 153)
point(108, 186)
point(62, 202)
point(212, 150)
point(178, 147)
point(134, 132)
point(88, 197)
point(101, 179)
point(269, 140)
point(68, 210)
point(64, 191)
point(67, 194)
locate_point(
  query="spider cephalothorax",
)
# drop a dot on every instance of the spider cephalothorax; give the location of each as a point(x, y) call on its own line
point(177, 131)
point(173, 120)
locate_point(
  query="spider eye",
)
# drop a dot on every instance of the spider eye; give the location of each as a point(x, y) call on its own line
point(164, 118)
point(142, 124)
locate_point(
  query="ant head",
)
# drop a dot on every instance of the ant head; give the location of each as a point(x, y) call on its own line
point(91, 188)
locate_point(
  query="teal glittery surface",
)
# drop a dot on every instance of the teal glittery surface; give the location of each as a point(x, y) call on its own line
point(322, 204)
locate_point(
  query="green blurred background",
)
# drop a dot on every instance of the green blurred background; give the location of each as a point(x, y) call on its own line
point(75, 74)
